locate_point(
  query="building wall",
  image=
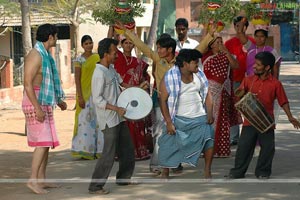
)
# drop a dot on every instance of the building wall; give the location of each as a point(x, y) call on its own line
point(5, 43)
point(97, 31)
point(145, 21)
point(64, 63)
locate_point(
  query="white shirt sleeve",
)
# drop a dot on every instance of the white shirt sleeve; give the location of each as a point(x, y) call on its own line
point(98, 84)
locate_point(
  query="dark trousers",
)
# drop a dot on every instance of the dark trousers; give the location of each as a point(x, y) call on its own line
point(235, 130)
point(117, 141)
point(246, 146)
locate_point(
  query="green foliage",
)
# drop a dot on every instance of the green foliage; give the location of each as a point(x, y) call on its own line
point(73, 10)
point(106, 13)
point(228, 10)
point(8, 9)
point(253, 11)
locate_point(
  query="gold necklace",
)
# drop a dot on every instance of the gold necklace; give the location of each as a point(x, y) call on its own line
point(127, 62)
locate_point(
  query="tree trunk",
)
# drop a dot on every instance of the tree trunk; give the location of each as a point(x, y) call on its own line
point(152, 33)
point(75, 30)
point(77, 39)
point(26, 28)
point(26, 32)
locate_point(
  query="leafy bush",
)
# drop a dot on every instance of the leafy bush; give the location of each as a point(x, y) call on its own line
point(107, 15)
point(228, 10)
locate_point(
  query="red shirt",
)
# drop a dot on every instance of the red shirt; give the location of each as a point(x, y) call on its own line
point(266, 91)
point(236, 48)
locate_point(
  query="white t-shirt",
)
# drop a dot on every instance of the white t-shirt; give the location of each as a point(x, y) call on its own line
point(190, 103)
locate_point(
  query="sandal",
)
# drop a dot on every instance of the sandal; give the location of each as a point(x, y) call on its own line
point(100, 192)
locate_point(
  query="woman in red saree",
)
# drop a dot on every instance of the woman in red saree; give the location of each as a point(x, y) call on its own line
point(217, 67)
point(134, 71)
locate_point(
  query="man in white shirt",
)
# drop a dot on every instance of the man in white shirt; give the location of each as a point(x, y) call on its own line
point(183, 41)
point(117, 139)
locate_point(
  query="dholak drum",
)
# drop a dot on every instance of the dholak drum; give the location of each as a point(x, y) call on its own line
point(254, 112)
point(137, 102)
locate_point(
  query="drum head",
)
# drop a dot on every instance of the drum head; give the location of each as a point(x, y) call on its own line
point(137, 102)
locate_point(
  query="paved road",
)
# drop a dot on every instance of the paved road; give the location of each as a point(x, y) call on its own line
point(15, 159)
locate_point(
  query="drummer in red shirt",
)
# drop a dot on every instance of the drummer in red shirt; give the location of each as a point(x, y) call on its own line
point(267, 89)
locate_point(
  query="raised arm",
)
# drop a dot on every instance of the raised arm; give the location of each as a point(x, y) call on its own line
point(139, 43)
point(203, 44)
point(241, 32)
point(110, 32)
point(232, 61)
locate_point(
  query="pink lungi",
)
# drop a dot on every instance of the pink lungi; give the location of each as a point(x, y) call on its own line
point(39, 134)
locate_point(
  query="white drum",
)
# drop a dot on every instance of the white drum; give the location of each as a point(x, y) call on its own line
point(137, 102)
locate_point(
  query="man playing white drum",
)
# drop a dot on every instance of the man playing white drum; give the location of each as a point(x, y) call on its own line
point(105, 92)
point(266, 88)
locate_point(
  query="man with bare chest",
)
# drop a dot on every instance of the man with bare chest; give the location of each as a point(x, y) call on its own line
point(42, 91)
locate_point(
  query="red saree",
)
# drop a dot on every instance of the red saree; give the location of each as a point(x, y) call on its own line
point(217, 70)
point(133, 72)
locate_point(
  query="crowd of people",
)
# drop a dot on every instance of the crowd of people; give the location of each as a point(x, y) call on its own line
point(196, 86)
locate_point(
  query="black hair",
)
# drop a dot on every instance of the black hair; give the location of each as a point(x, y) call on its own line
point(44, 31)
point(261, 30)
point(85, 38)
point(123, 40)
point(104, 46)
point(165, 35)
point(238, 19)
point(213, 41)
point(167, 42)
point(182, 21)
point(187, 55)
point(266, 58)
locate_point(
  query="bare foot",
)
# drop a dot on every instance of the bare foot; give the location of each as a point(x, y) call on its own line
point(207, 174)
point(165, 174)
point(49, 185)
point(35, 187)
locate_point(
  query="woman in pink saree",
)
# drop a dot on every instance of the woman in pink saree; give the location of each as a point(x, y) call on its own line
point(217, 68)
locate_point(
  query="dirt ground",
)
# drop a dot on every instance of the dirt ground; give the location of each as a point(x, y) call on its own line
point(15, 161)
point(12, 132)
